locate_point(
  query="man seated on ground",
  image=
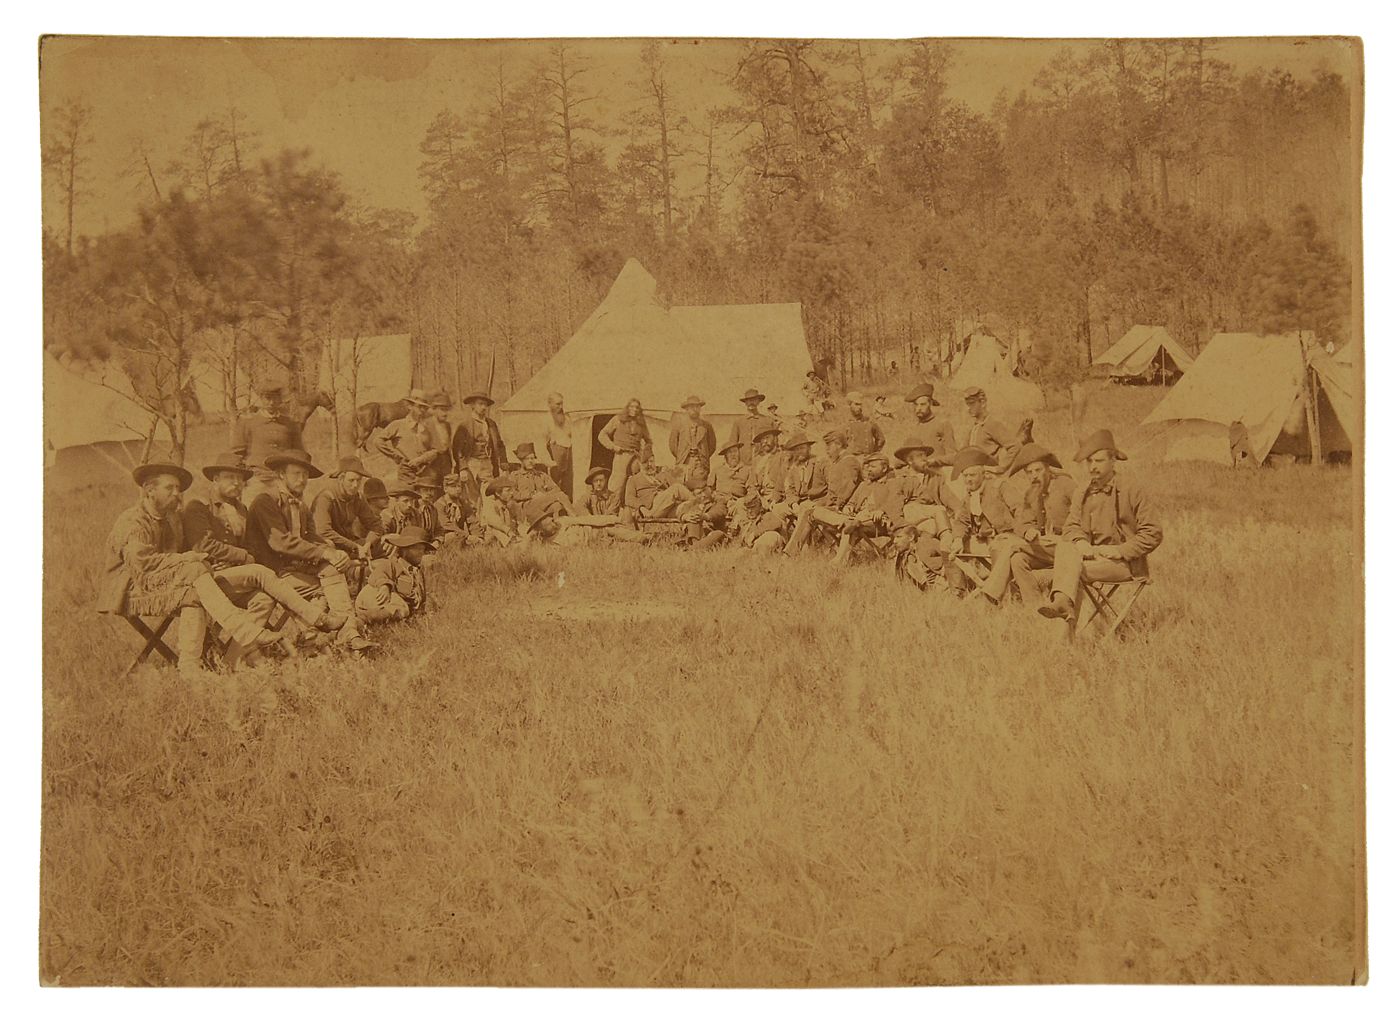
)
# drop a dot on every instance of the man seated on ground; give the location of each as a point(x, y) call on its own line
point(455, 515)
point(843, 477)
point(863, 434)
point(933, 432)
point(281, 536)
point(532, 478)
point(147, 574)
point(596, 500)
point(980, 430)
point(1110, 529)
point(401, 508)
point(377, 497)
point(648, 496)
point(341, 514)
point(1036, 524)
point(218, 527)
point(765, 467)
point(394, 587)
point(496, 514)
point(546, 525)
point(425, 515)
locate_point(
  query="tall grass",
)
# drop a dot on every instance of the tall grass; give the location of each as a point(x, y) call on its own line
point(643, 766)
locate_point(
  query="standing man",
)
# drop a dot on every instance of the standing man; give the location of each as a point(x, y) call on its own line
point(754, 421)
point(341, 514)
point(692, 434)
point(271, 430)
point(477, 446)
point(863, 434)
point(418, 442)
point(935, 433)
point(559, 444)
point(1109, 531)
point(980, 430)
point(281, 536)
point(626, 435)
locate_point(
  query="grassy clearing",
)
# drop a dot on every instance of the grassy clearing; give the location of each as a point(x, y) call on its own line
point(642, 766)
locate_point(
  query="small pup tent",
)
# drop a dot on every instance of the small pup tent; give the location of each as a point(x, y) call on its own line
point(1145, 354)
point(633, 345)
point(1248, 396)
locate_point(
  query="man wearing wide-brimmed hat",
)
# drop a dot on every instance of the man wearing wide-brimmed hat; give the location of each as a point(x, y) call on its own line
point(341, 513)
point(269, 430)
point(477, 446)
point(1036, 524)
point(419, 443)
point(531, 478)
point(281, 535)
point(931, 430)
point(981, 514)
point(395, 587)
point(768, 466)
point(692, 433)
point(754, 421)
point(929, 503)
point(498, 517)
point(875, 511)
point(1110, 529)
point(597, 497)
point(649, 494)
point(148, 572)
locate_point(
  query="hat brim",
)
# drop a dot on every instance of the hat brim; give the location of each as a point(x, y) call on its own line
point(277, 462)
point(1020, 463)
point(145, 472)
point(756, 398)
point(210, 470)
point(478, 398)
point(910, 449)
point(401, 544)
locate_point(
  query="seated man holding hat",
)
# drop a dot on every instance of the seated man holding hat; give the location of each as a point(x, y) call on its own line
point(341, 513)
point(149, 573)
point(394, 587)
point(282, 536)
point(1036, 524)
point(1110, 529)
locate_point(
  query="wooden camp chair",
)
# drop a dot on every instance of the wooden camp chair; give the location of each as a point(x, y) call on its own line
point(1109, 603)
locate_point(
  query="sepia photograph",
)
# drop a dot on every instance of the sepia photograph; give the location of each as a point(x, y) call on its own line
point(701, 512)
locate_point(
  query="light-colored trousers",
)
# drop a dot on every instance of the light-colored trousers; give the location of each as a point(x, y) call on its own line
point(1013, 558)
point(330, 584)
point(1071, 567)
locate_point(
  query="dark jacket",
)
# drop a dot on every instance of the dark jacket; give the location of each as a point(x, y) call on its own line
point(207, 530)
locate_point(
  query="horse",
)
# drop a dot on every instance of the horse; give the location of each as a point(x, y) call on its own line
point(375, 415)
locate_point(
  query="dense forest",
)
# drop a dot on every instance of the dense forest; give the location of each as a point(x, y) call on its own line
point(1135, 182)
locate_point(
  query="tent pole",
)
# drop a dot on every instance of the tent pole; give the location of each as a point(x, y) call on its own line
point(1310, 403)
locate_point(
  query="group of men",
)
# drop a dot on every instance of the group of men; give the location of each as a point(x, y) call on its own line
point(969, 507)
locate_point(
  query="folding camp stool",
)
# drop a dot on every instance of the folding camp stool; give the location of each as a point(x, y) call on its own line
point(1102, 601)
point(975, 565)
point(154, 640)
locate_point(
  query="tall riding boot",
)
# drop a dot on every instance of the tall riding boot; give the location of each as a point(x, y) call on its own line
point(240, 625)
point(193, 625)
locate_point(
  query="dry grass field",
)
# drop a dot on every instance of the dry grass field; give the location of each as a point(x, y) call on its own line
point(642, 766)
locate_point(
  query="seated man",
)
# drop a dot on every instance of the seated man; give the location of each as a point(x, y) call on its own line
point(281, 536)
point(765, 467)
point(147, 574)
point(341, 514)
point(377, 496)
point(532, 479)
point(1036, 524)
point(727, 483)
point(425, 515)
point(596, 501)
point(394, 587)
point(978, 516)
point(218, 527)
point(876, 509)
point(402, 508)
point(546, 525)
point(1110, 529)
point(456, 517)
point(496, 514)
point(929, 503)
point(647, 495)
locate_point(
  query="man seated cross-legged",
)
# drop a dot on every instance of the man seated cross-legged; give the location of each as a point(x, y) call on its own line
point(281, 536)
point(1036, 525)
point(1110, 529)
point(148, 572)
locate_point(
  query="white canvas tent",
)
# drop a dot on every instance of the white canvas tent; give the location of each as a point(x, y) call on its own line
point(1143, 352)
point(92, 420)
point(633, 345)
point(984, 364)
point(1262, 383)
